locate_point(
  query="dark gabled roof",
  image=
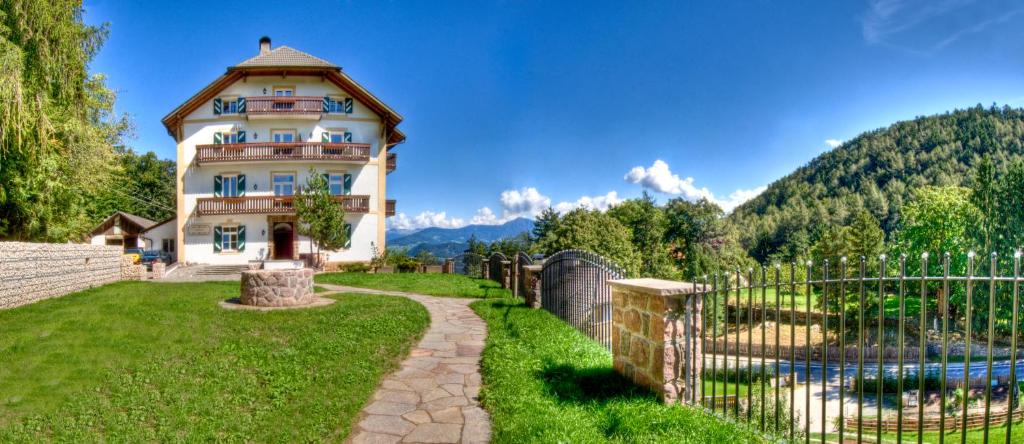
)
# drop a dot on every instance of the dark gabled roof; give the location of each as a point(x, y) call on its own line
point(139, 223)
point(284, 56)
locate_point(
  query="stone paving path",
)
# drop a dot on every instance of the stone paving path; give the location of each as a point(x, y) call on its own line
point(432, 398)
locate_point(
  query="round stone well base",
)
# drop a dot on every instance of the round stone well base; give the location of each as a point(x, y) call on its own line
point(277, 288)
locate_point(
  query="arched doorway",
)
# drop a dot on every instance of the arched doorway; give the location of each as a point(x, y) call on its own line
point(284, 239)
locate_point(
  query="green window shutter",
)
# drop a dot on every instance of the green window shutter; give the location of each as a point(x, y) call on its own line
point(218, 138)
point(348, 235)
point(325, 137)
point(348, 184)
point(327, 104)
point(241, 185)
point(217, 186)
point(241, 136)
point(327, 182)
point(216, 239)
point(348, 105)
point(217, 106)
point(241, 105)
point(241, 238)
point(348, 136)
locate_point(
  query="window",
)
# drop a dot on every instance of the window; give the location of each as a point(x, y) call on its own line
point(284, 91)
point(284, 184)
point(336, 184)
point(335, 105)
point(229, 106)
point(229, 238)
point(226, 137)
point(169, 245)
point(283, 135)
point(229, 186)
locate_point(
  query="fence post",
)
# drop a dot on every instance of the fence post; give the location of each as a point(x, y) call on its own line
point(506, 274)
point(531, 281)
point(655, 329)
point(485, 269)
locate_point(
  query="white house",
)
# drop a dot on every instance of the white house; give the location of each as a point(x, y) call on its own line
point(122, 229)
point(247, 141)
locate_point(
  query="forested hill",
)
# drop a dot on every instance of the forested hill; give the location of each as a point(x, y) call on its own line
point(878, 171)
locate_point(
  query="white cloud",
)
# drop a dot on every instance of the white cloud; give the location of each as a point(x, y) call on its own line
point(526, 202)
point(485, 216)
point(659, 177)
point(425, 219)
point(834, 143)
point(600, 203)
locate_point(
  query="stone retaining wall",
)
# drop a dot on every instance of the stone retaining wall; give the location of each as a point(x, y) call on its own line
point(30, 272)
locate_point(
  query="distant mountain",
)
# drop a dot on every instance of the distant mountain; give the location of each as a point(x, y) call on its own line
point(447, 242)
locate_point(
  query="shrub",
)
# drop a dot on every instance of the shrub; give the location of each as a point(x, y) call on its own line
point(357, 267)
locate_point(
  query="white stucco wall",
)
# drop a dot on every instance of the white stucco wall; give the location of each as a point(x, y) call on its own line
point(199, 128)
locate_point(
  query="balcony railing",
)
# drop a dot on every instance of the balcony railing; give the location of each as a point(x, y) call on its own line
point(392, 162)
point(270, 205)
point(348, 152)
point(389, 208)
point(284, 105)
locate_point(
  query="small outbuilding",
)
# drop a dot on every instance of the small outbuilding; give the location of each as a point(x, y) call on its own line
point(121, 229)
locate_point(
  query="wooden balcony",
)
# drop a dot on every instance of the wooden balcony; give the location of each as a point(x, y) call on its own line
point(270, 205)
point(280, 151)
point(392, 162)
point(389, 207)
point(277, 107)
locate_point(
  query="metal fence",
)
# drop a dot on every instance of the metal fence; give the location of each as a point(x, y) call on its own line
point(494, 267)
point(945, 311)
point(521, 261)
point(468, 264)
point(574, 287)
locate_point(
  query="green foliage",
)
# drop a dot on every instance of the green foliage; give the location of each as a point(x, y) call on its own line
point(544, 222)
point(1009, 211)
point(321, 216)
point(702, 240)
point(145, 362)
point(647, 223)
point(509, 246)
point(57, 128)
point(400, 259)
point(543, 381)
point(434, 284)
point(877, 171)
point(865, 237)
point(596, 232)
point(142, 184)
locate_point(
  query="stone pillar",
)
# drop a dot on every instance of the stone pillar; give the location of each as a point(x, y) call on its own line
point(532, 283)
point(656, 327)
point(449, 266)
point(159, 269)
point(506, 274)
point(485, 269)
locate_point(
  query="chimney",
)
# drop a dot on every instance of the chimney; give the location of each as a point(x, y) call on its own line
point(264, 45)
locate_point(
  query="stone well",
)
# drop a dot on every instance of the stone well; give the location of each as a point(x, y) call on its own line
point(277, 288)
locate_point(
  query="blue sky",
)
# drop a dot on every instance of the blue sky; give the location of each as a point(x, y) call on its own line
point(512, 106)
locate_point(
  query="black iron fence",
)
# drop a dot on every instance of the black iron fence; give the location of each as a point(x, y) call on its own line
point(574, 287)
point(801, 360)
point(469, 264)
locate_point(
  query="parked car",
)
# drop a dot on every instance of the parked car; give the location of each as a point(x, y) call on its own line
point(134, 253)
point(151, 256)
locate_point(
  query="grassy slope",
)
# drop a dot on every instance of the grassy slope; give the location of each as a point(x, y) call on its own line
point(138, 361)
point(435, 284)
point(545, 382)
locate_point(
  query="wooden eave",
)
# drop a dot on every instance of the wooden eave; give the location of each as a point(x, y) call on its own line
point(389, 116)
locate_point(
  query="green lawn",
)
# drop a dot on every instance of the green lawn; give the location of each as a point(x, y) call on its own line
point(147, 362)
point(546, 382)
point(435, 284)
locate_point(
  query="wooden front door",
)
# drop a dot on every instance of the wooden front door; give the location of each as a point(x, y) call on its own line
point(284, 240)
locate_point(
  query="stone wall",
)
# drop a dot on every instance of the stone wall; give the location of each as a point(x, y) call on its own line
point(30, 272)
point(655, 336)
